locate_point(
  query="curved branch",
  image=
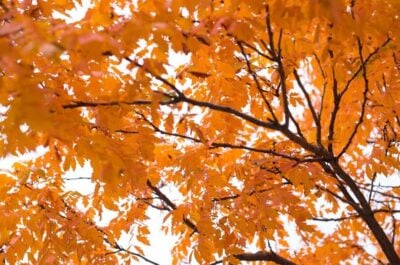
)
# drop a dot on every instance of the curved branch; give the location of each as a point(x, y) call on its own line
point(172, 205)
point(254, 76)
point(227, 145)
point(277, 56)
point(364, 101)
point(121, 249)
point(360, 68)
point(264, 256)
point(365, 211)
point(351, 216)
point(261, 256)
point(310, 106)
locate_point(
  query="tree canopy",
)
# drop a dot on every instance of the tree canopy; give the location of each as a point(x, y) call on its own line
point(235, 119)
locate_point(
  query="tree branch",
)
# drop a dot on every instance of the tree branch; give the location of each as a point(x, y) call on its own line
point(352, 216)
point(264, 256)
point(365, 211)
point(254, 76)
point(360, 68)
point(336, 102)
point(257, 50)
point(170, 204)
point(121, 249)
point(226, 145)
point(364, 101)
point(277, 57)
point(310, 106)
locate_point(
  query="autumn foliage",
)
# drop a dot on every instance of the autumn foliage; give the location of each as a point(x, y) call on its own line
point(245, 123)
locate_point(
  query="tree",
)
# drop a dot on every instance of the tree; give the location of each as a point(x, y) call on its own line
point(237, 119)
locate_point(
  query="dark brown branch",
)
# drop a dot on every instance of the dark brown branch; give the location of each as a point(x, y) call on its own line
point(78, 178)
point(335, 195)
point(126, 131)
point(335, 219)
point(372, 187)
point(182, 98)
point(158, 77)
point(394, 220)
point(336, 102)
point(232, 197)
point(161, 195)
point(260, 256)
point(277, 56)
point(364, 101)
point(296, 124)
point(324, 87)
point(230, 146)
point(257, 50)
point(268, 125)
point(174, 100)
point(352, 216)
point(394, 197)
point(365, 211)
point(121, 249)
point(270, 32)
point(264, 256)
point(321, 69)
point(79, 104)
point(170, 204)
point(310, 106)
point(255, 78)
point(360, 68)
point(379, 185)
